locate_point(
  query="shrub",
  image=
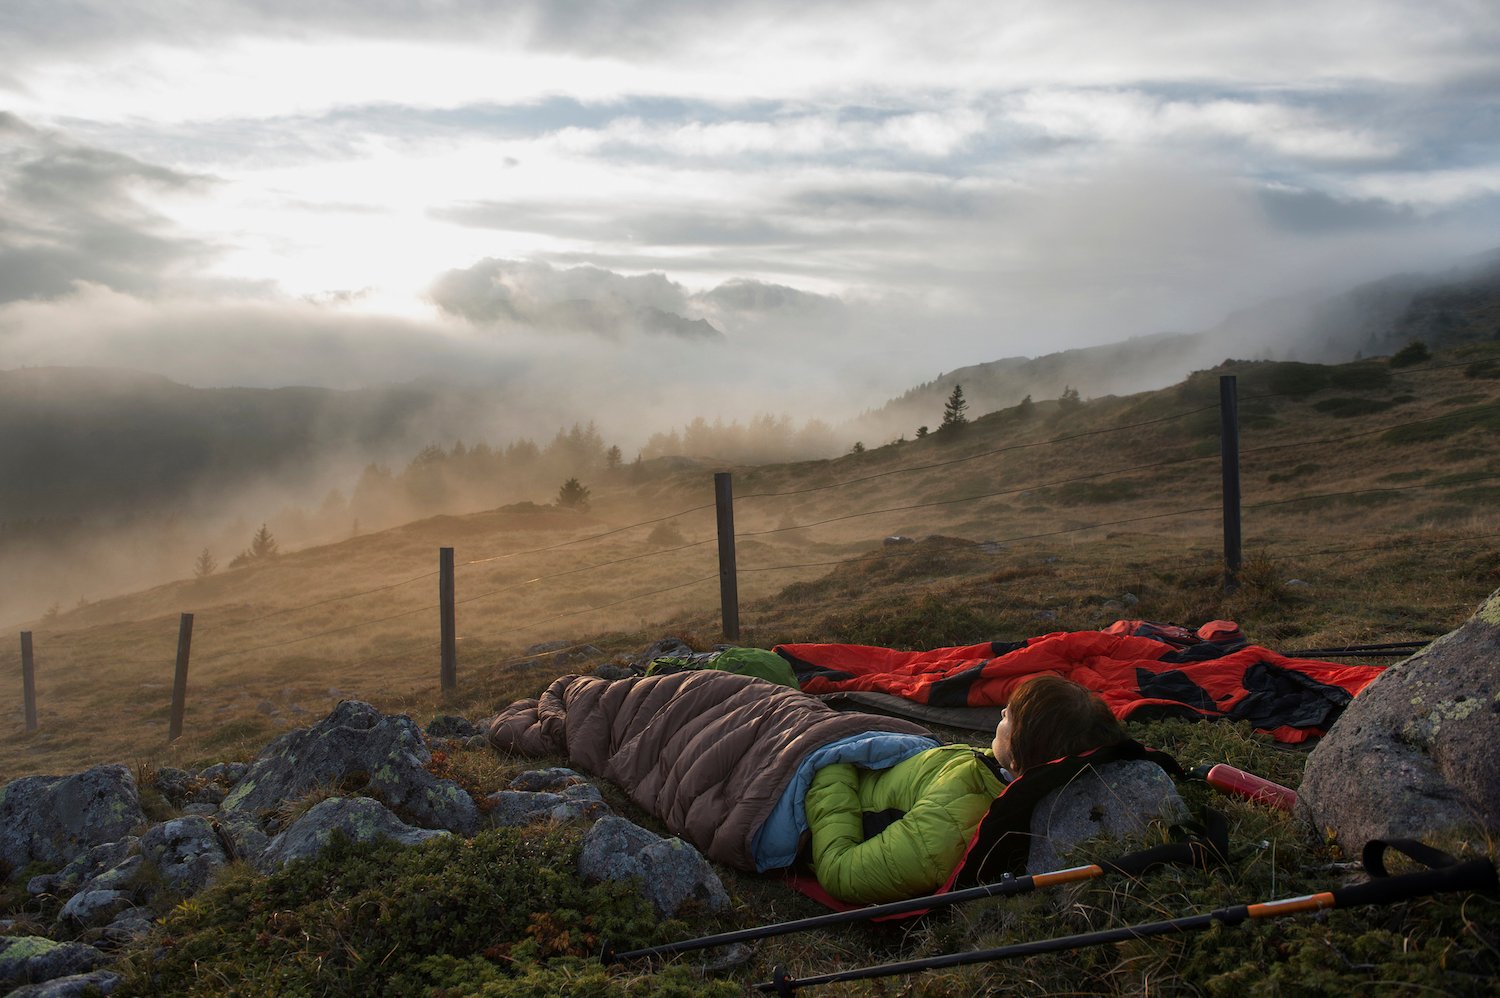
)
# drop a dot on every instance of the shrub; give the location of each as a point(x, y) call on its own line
point(1414, 352)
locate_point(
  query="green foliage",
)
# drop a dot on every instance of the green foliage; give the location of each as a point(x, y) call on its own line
point(205, 565)
point(499, 915)
point(666, 534)
point(1414, 352)
point(921, 432)
point(573, 495)
point(858, 448)
point(1069, 400)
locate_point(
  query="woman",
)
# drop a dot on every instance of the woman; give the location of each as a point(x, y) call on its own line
point(883, 835)
point(742, 768)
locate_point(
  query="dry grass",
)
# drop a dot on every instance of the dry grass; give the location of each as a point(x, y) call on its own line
point(1103, 524)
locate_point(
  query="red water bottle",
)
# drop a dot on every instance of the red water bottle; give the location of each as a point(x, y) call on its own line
point(1248, 785)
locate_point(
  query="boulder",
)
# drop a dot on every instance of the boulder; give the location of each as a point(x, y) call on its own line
point(452, 726)
point(359, 818)
point(96, 862)
point(224, 772)
point(244, 835)
point(1116, 800)
point(671, 871)
point(53, 819)
point(90, 908)
point(100, 982)
point(176, 785)
point(555, 778)
point(186, 851)
point(518, 807)
point(1415, 754)
point(27, 959)
point(663, 648)
point(356, 747)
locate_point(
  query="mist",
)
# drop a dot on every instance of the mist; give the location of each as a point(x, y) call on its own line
point(656, 221)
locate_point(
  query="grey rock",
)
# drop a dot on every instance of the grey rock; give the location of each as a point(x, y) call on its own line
point(175, 784)
point(1297, 584)
point(102, 982)
point(510, 808)
point(671, 871)
point(225, 772)
point(53, 819)
point(1130, 599)
point(451, 726)
point(247, 838)
point(662, 648)
point(359, 818)
point(384, 756)
point(27, 959)
point(97, 861)
point(128, 928)
point(1415, 754)
point(87, 909)
point(201, 810)
point(120, 877)
point(610, 670)
point(1116, 800)
point(186, 850)
point(208, 793)
point(555, 778)
point(43, 883)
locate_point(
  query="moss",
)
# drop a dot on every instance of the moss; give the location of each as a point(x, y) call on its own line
point(499, 915)
point(26, 947)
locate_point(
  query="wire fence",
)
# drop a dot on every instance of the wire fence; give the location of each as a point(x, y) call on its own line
point(1037, 520)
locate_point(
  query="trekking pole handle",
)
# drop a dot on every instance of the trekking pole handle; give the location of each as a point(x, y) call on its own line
point(1471, 875)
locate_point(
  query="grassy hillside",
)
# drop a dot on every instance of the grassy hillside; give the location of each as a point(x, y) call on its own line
point(1445, 310)
point(1370, 499)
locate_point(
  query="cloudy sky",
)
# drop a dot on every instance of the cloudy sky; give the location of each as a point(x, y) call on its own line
point(818, 203)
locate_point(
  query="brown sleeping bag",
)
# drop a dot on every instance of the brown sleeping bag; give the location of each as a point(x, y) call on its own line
point(709, 753)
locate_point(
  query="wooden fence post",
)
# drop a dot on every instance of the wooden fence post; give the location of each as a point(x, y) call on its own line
point(179, 680)
point(1229, 454)
point(28, 681)
point(447, 621)
point(729, 587)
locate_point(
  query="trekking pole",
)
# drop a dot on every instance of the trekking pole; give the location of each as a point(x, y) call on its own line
point(1190, 852)
point(1445, 874)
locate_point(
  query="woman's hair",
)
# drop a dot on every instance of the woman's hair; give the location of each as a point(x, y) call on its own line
point(1051, 717)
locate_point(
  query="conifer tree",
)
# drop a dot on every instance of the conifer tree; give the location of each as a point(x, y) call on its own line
point(573, 495)
point(205, 565)
point(263, 545)
point(953, 410)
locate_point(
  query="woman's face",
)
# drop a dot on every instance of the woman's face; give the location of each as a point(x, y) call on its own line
point(1001, 745)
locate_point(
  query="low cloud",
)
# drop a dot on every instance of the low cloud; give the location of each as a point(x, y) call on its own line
point(77, 213)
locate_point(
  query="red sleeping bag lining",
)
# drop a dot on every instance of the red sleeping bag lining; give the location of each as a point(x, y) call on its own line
point(1141, 670)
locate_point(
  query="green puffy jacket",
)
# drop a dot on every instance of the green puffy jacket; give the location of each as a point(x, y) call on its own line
point(943, 792)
